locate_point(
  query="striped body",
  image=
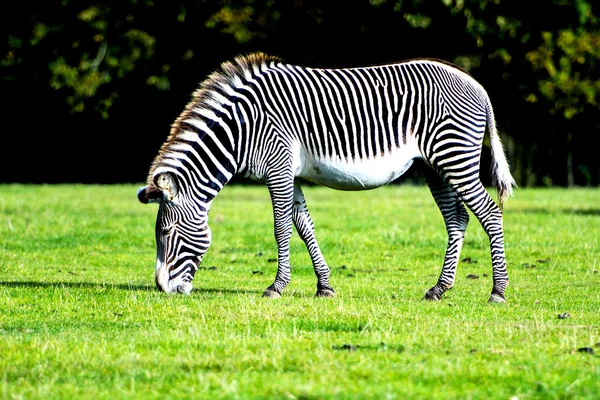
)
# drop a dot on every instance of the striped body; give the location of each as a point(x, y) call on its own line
point(348, 129)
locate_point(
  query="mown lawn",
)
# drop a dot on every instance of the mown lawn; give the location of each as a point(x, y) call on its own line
point(80, 316)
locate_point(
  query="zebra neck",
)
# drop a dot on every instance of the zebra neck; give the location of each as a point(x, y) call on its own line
point(201, 152)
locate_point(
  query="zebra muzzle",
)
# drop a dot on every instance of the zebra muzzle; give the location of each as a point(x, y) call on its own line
point(185, 288)
point(179, 283)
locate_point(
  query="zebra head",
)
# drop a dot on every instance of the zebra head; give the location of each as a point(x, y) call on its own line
point(182, 233)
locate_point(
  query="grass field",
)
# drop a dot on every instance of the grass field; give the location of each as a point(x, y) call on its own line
point(80, 316)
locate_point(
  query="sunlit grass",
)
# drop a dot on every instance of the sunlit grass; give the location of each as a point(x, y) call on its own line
point(80, 317)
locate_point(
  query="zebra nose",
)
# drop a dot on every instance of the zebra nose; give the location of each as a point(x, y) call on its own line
point(185, 288)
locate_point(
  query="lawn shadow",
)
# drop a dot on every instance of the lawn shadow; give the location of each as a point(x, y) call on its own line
point(121, 286)
point(590, 212)
point(83, 285)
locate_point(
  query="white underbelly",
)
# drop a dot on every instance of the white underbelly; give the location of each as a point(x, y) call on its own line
point(354, 174)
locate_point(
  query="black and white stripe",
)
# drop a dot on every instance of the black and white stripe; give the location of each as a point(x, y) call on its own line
point(348, 129)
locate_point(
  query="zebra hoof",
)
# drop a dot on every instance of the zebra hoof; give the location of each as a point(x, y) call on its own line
point(271, 293)
point(325, 293)
point(496, 298)
point(432, 296)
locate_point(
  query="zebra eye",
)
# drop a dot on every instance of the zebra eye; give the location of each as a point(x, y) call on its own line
point(166, 230)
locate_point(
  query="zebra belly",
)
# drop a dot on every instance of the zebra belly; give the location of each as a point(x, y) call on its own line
point(358, 174)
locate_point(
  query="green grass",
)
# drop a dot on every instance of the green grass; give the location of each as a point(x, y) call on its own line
point(80, 317)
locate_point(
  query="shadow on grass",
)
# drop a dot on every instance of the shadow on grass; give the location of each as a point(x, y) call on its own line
point(125, 287)
point(585, 212)
point(82, 285)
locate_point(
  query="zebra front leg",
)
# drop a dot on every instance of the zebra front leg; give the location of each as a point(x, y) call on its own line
point(306, 229)
point(281, 191)
point(456, 219)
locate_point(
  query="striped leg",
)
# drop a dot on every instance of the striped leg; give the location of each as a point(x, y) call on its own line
point(473, 194)
point(490, 216)
point(282, 193)
point(456, 219)
point(306, 229)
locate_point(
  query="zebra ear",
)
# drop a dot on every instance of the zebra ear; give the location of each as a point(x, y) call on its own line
point(167, 183)
point(149, 194)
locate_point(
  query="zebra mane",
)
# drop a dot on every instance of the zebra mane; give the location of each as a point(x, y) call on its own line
point(227, 75)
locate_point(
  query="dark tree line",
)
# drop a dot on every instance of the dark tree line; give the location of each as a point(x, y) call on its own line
point(90, 89)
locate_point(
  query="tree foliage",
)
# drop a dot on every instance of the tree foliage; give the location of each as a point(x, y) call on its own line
point(95, 59)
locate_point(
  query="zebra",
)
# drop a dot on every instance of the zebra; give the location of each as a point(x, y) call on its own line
point(348, 129)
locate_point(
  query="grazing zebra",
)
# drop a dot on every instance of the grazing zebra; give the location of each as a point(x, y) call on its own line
point(348, 129)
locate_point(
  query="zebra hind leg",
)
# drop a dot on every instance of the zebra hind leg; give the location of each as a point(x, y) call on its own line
point(456, 219)
point(306, 230)
point(489, 215)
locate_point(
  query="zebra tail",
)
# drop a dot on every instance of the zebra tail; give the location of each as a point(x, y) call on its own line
point(501, 176)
